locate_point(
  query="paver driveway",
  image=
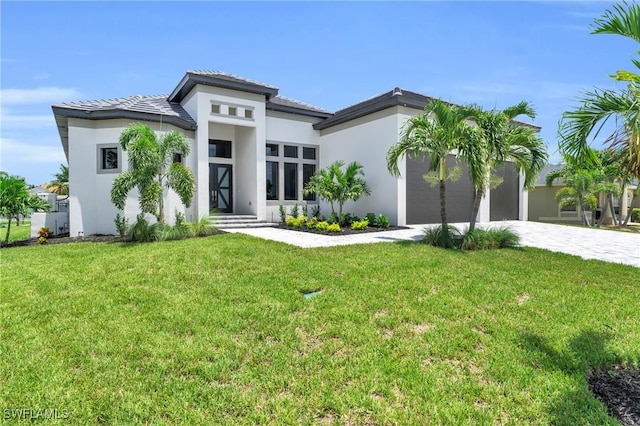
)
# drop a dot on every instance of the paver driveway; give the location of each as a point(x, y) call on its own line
point(610, 246)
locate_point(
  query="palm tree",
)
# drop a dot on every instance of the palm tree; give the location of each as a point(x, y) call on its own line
point(60, 184)
point(579, 189)
point(503, 140)
point(152, 169)
point(15, 200)
point(599, 106)
point(440, 129)
point(337, 186)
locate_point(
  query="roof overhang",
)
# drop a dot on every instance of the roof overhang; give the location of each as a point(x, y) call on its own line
point(190, 80)
point(300, 111)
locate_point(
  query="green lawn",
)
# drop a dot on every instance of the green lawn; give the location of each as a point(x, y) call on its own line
point(216, 331)
point(17, 232)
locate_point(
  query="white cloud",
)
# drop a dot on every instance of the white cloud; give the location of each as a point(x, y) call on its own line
point(19, 154)
point(25, 121)
point(38, 95)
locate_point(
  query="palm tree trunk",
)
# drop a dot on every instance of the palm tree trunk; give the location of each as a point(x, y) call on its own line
point(161, 203)
point(479, 193)
point(613, 210)
point(6, 237)
point(443, 205)
point(603, 213)
point(585, 218)
point(626, 219)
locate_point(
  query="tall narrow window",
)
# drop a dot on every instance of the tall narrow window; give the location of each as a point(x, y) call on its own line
point(290, 181)
point(272, 180)
point(308, 170)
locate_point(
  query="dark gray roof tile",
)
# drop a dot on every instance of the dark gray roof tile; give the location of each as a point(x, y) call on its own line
point(283, 103)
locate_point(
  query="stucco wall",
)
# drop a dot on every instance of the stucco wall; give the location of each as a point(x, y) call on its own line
point(543, 206)
point(90, 207)
point(504, 199)
point(367, 140)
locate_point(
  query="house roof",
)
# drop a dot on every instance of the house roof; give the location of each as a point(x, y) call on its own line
point(391, 98)
point(541, 181)
point(220, 79)
point(150, 108)
point(284, 104)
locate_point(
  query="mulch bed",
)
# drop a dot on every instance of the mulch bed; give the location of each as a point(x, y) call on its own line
point(345, 230)
point(619, 390)
point(65, 239)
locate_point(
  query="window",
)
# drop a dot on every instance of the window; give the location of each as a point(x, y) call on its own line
point(272, 180)
point(220, 149)
point(290, 181)
point(233, 111)
point(215, 108)
point(291, 151)
point(108, 158)
point(248, 113)
point(177, 157)
point(309, 153)
point(272, 150)
point(308, 170)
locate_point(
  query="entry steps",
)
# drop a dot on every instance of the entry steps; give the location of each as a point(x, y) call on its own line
point(229, 221)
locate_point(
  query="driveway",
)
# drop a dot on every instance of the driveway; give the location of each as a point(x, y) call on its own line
point(588, 243)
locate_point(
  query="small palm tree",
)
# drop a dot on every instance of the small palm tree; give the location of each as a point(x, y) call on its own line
point(440, 129)
point(599, 106)
point(503, 140)
point(152, 169)
point(337, 186)
point(15, 200)
point(60, 184)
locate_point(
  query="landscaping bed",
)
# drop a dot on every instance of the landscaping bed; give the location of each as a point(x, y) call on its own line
point(345, 230)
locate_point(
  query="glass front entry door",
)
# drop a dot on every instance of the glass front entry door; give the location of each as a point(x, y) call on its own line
point(220, 188)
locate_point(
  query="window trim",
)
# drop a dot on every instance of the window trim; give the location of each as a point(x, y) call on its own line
point(99, 158)
point(281, 160)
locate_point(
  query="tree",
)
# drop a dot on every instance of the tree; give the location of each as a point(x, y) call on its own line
point(60, 184)
point(599, 106)
point(337, 186)
point(15, 200)
point(579, 189)
point(152, 169)
point(440, 129)
point(503, 140)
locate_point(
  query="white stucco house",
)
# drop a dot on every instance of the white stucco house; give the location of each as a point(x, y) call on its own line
point(253, 149)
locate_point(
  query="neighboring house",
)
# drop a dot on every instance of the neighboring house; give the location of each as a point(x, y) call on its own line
point(57, 219)
point(544, 208)
point(252, 150)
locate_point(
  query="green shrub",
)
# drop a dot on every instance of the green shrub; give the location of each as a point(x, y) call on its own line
point(382, 221)
point(141, 230)
point(360, 225)
point(447, 238)
point(487, 239)
point(311, 223)
point(283, 213)
point(346, 219)
point(295, 211)
point(296, 222)
point(322, 226)
point(202, 228)
point(122, 223)
point(333, 218)
point(315, 212)
point(371, 218)
point(305, 210)
point(635, 215)
point(334, 227)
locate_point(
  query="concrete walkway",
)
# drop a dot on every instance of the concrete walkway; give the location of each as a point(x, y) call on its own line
point(610, 246)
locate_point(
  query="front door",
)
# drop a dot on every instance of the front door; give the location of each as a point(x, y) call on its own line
point(220, 188)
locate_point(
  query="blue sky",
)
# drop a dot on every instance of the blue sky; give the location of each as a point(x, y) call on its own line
point(330, 54)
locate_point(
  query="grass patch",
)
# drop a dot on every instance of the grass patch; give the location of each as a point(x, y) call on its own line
point(216, 331)
point(17, 233)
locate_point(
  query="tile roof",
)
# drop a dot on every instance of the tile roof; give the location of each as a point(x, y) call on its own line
point(156, 105)
point(548, 169)
point(229, 77)
point(292, 103)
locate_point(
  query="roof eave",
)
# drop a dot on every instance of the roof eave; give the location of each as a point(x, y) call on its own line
point(119, 113)
point(299, 111)
point(189, 81)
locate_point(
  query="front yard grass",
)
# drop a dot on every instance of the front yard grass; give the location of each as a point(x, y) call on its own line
point(16, 233)
point(216, 331)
